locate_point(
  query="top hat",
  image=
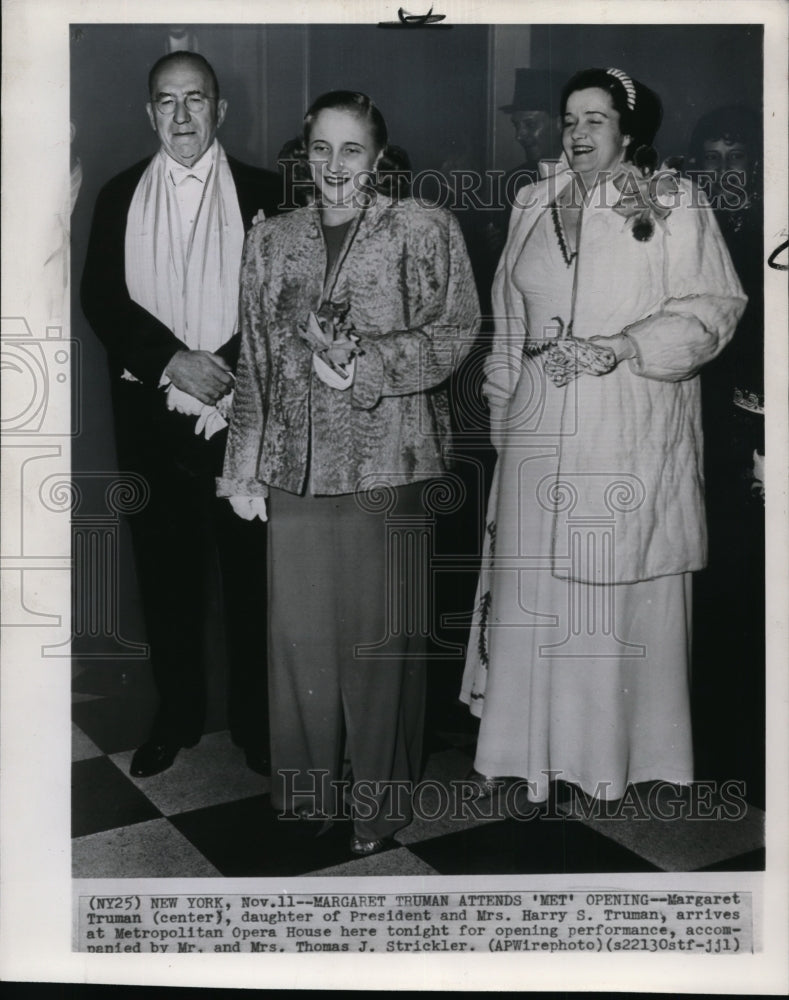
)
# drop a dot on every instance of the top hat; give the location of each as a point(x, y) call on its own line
point(535, 90)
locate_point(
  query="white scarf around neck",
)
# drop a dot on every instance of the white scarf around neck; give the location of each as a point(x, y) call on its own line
point(193, 294)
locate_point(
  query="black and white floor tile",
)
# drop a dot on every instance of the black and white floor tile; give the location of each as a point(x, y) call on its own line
point(209, 816)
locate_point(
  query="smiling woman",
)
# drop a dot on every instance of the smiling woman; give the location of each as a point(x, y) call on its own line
point(600, 131)
point(578, 665)
point(343, 155)
point(591, 136)
point(356, 309)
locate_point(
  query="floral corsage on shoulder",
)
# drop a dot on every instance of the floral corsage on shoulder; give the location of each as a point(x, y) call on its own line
point(646, 195)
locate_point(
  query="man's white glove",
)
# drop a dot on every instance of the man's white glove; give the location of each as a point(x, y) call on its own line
point(249, 507)
point(210, 419)
point(183, 402)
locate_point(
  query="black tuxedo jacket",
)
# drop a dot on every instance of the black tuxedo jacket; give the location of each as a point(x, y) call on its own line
point(133, 338)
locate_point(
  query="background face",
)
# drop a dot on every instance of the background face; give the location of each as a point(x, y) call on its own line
point(533, 132)
point(271, 73)
point(722, 157)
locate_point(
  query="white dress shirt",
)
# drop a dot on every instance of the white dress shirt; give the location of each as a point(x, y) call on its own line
point(189, 184)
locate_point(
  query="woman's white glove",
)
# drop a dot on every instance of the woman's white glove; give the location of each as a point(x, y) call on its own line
point(567, 357)
point(249, 507)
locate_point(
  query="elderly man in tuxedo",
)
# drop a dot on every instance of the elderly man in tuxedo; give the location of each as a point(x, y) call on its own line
point(160, 289)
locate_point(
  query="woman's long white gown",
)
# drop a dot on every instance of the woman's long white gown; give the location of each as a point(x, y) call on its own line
point(585, 683)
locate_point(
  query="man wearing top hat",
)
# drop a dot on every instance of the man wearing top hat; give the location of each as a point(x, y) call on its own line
point(534, 113)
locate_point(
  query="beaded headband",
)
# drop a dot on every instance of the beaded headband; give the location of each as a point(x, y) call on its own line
point(627, 83)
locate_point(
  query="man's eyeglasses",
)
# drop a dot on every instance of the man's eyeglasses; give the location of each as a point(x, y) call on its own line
point(193, 102)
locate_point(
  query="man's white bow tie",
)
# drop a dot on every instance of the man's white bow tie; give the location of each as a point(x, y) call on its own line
point(179, 172)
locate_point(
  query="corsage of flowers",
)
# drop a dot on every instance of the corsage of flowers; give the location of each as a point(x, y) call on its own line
point(329, 328)
point(646, 195)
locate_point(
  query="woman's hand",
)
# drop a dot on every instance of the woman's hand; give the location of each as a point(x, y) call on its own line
point(622, 346)
point(249, 507)
point(566, 358)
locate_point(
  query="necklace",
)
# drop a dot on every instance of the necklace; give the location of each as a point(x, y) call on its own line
point(567, 255)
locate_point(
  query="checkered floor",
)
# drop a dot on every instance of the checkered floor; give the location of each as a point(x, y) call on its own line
point(209, 815)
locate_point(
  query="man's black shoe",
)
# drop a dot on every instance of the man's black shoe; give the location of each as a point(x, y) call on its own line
point(154, 757)
point(258, 761)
